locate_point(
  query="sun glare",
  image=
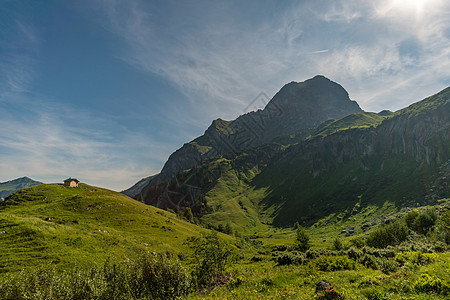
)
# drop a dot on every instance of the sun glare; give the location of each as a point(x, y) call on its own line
point(416, 7)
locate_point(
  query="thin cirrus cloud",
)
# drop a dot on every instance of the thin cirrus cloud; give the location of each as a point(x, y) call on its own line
point(221, 66)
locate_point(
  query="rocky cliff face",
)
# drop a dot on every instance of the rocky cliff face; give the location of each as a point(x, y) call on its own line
point(298, 106)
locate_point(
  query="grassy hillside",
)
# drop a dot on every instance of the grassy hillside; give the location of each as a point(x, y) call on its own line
point(55, 224)
point(359, 120)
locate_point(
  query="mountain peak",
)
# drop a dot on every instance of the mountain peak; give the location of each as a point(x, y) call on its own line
point(317, 94)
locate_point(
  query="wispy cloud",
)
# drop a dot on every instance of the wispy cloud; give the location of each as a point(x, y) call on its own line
point(49, 139)
point(58, 141)
point(222, 65)
point(219, 55)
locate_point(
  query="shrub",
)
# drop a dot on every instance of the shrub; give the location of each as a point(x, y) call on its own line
point(422, 222)
point(314, 253)
point(302, 239)
point(387, 266)
point(358, 242)
point(369, 261)
point(391, 234)
point(211, 255)
point(427, 283)
point(354, 253)
point(294, 258)
point(415, 257)
point(337, 244)
point(334, 263)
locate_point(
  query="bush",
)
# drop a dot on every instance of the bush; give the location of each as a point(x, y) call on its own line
point(294, 258)
point(387, 266)
point(421, 222)
point(212, 255)
point(370, 261)
point(314, 253)
point(302, 239)
point(337, 244)
point(334, 263)
point(388, 235)
point(354, 253)
point(415, 257)
point(329, 294)
point(358, 242)
point(427, 283)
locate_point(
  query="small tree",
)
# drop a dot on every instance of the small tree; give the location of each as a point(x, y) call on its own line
point(302, 239)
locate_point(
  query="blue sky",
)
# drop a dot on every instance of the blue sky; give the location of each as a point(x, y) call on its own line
point(106, 90)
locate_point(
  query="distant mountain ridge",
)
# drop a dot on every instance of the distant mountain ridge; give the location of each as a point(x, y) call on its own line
point(9, 187)
point(298, 108)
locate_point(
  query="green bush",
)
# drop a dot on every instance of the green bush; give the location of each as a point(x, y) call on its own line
point(354, 253)
point(293, 258)
point(314, 253)
point(415, 257)
point(334, 263)
point(387, 266)
point(370, 261)
point(388, 235)
point(302, 239)
point(421, 222)
point(337, 244)
point(211, 255)
point(329, 293)
point(427, 283)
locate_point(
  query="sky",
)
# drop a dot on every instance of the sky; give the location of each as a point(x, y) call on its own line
point(105, 90)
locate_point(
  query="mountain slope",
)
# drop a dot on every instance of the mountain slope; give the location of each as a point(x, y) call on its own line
point(136, 189)
point(296, 108)
point(56, 224)
point(403, 160)
point(12, 186)
point(362, 159)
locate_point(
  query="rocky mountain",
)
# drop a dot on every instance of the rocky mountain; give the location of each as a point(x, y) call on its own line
point(363, 159)
point(136, 189)
point(9, 187)
point(298, 108)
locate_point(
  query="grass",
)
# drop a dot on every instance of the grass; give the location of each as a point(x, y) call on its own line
point(77, 229)
point(54, 224)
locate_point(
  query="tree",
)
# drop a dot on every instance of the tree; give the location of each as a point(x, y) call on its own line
point(302, 239)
